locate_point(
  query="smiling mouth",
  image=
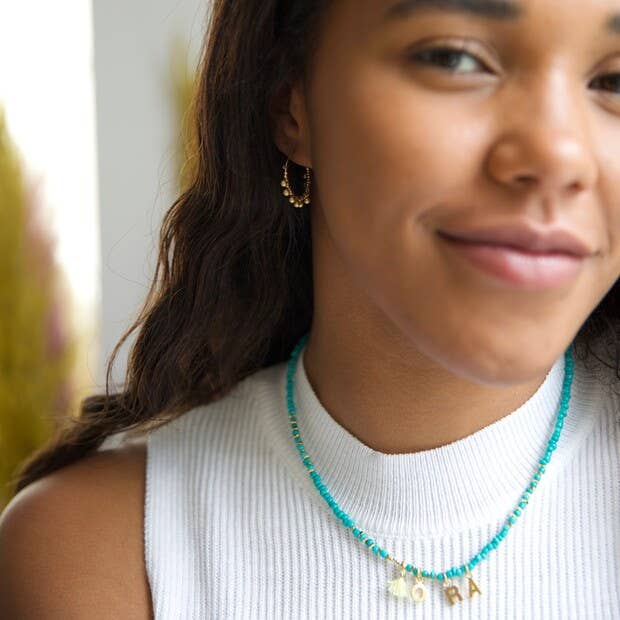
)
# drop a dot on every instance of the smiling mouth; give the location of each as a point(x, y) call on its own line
point(514, 266)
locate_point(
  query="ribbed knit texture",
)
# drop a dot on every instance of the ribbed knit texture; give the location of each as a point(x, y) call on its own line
point(234, 527)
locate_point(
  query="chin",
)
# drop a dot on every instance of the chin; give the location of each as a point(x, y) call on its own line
point(502, 363)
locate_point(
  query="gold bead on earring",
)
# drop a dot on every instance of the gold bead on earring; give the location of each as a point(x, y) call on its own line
point(296, 201)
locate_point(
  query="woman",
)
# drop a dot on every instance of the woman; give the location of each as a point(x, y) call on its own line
point(375, 374)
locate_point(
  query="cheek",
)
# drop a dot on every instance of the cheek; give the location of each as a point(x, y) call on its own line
point(384, 147)
point(387, 153)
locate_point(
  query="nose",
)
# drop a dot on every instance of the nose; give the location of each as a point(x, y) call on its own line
point(544, 146)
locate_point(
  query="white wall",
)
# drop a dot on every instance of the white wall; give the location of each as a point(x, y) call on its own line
point(135, 133)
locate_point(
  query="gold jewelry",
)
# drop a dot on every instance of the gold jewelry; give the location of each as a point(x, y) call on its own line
point(296, 201)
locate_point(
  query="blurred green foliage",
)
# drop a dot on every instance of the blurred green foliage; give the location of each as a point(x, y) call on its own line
point(35, 349)
point(183, 90)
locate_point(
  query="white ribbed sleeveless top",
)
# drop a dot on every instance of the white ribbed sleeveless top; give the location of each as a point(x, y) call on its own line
point(234, 527)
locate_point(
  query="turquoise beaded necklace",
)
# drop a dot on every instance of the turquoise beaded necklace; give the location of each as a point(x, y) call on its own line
point(399, 586)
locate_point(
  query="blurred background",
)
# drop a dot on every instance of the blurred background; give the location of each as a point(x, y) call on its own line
point(93, 100)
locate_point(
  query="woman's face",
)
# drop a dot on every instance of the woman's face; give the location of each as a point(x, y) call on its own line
point(521, 129)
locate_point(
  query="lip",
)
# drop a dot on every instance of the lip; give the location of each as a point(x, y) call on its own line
point(525, 236)
point(518, 267)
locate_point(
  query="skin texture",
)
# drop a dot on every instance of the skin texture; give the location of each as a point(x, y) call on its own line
point(71, 544)
point(411, 347)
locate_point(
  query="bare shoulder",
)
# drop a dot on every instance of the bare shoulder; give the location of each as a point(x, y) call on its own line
point(71, 544)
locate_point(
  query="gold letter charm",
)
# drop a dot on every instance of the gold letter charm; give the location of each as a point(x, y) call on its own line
point(452, 592)
point(473, 587)
point(418, 590)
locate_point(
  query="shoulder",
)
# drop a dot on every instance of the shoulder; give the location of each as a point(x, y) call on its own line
point(71, 543)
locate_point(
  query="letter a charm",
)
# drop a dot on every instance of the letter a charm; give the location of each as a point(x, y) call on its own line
point(472, 586)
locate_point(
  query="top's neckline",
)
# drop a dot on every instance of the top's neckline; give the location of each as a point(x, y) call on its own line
point(476, 479)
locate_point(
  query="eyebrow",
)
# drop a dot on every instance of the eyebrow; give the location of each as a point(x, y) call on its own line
point(505, 10)
point(498, 9)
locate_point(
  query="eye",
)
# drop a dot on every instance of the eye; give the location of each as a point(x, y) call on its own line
point(448, 59)
point(611, 80)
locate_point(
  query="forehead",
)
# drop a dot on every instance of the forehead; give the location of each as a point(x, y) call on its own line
point(496, 9)
point(583, 26)
point(386, 12)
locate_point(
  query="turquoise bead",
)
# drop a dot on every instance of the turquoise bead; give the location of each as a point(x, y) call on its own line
point(369, 542)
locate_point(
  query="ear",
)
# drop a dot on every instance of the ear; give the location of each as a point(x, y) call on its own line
point(289, 123)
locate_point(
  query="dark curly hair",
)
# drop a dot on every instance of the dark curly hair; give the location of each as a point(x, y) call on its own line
point(232, 291)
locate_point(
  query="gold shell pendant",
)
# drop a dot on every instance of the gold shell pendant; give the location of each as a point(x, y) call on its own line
point(398, 587)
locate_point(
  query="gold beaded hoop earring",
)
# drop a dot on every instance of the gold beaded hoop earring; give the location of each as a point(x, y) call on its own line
point(296, 201)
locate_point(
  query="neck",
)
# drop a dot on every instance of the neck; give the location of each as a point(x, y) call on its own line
point(395, 400)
